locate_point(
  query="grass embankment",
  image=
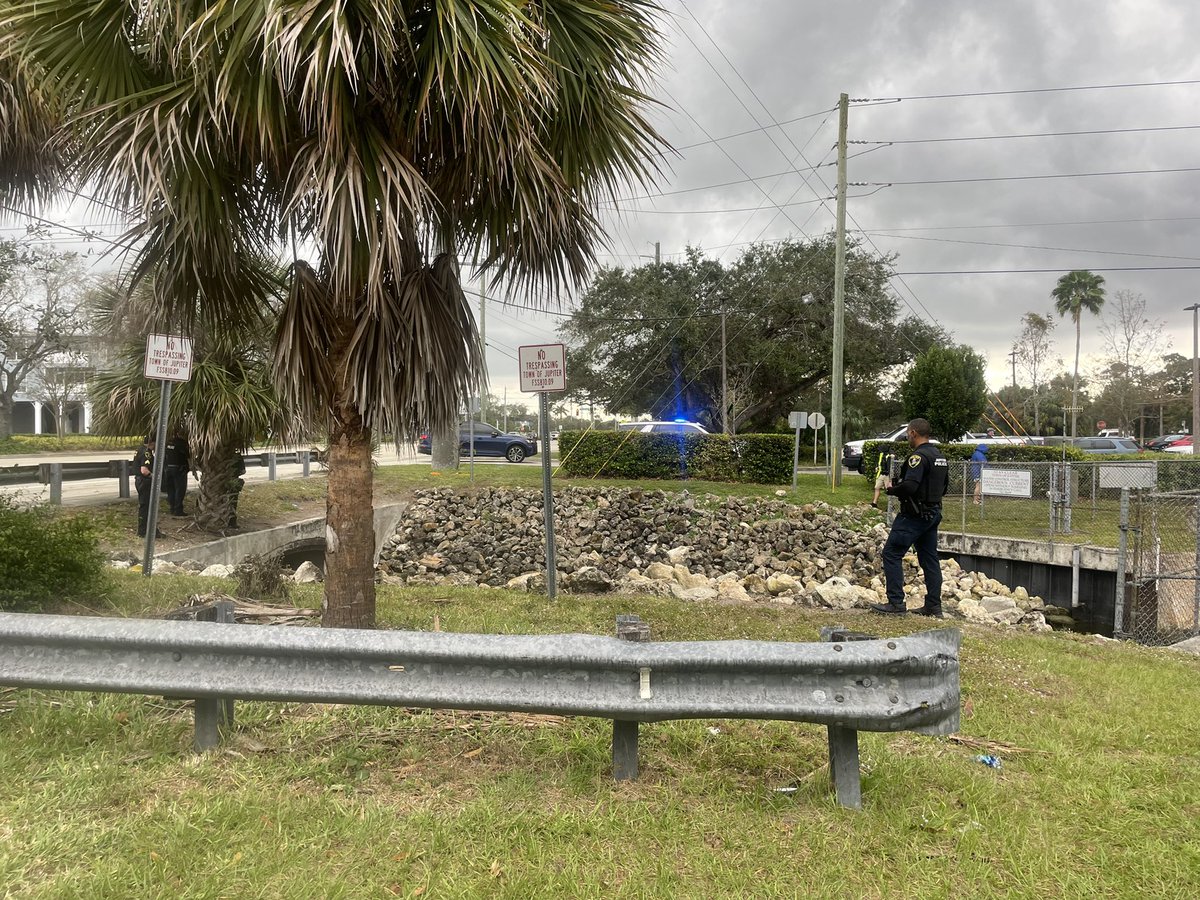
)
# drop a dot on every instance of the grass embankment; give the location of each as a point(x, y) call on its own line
point(103, 798)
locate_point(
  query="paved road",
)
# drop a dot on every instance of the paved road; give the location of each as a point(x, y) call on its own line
point(105, 490)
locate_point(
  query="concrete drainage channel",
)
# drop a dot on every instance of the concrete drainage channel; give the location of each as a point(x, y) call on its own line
point(295, 542)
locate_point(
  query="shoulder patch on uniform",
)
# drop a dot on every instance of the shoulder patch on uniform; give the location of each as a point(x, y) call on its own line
point(914, 460)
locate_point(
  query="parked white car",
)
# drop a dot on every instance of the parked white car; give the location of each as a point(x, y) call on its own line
point(678, 427)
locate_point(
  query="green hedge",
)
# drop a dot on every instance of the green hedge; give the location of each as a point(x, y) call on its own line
point(44, 557)
point(25, 444)
point(996, 453)
point(750, 458)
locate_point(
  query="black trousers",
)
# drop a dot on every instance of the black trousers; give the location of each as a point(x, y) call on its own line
point(175, 479)
point(145, 488)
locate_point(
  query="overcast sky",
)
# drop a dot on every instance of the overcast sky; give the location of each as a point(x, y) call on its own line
point(738, 66)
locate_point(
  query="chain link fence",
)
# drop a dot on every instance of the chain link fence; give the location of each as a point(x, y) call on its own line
point(1161, 603)
point(1146, 511)
point(1066, 502)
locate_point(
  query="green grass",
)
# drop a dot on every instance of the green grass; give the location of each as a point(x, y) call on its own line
point(102, 797)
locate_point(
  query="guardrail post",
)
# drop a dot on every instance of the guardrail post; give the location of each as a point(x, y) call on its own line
point(305, 462)
point(56, 472)
point(271, 473)
point(123, 479)
point(843, 742)
point(625, 731)
point(213, 713)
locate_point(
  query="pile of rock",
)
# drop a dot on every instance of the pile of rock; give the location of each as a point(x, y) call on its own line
point(673, 544)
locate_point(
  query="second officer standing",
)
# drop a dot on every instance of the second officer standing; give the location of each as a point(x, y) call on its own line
point(924, 479)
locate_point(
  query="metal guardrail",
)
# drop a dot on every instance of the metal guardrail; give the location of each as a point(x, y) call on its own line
point(55, 473)
point(908, 683)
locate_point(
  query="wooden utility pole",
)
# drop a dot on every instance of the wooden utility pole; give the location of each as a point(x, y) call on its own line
point(1195, 311)
point(657, 253)
point(724, 381)
point(483, 346)
point(1013, 357)
point(839, 301)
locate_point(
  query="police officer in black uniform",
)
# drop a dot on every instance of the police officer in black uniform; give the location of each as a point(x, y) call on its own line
point(143, 471)
point(924, 479)
point(176, 461)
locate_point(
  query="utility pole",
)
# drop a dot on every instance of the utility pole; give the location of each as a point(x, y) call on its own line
point(1195, 311)
point(1013, 357)
point(724, 381)
point(839, 301)
point(657, 253)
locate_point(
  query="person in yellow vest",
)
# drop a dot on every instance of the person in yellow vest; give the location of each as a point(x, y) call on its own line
point(883, 476)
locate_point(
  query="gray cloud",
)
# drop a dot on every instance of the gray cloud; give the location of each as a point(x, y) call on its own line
point(797, 57)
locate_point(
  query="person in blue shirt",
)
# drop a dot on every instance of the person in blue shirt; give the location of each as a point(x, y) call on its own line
point(978, 461)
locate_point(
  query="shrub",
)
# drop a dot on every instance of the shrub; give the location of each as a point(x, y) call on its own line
point(260, 577)
point(25, 444)
point(752, 458)
point(997, 453)
point(45, 557)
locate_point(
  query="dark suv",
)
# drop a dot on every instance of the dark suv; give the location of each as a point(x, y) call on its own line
point(489, 441)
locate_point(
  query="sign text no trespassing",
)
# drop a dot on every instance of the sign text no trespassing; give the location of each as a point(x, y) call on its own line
point(168, 357)
point(543, 367)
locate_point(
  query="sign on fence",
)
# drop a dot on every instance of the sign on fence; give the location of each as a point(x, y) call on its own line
point(1007, 482)
point(1128, 475)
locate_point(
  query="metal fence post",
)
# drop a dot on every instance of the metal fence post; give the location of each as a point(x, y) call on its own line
point(56, 472)
point(625, 731)
point(1052, 493)
point(964, 501)
point(213, 713)
point(843, 741)
point(1196, 607)
point(1068, 489)
point(123, 479)
point(1122, 563)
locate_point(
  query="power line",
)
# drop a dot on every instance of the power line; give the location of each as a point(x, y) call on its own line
point(1032, 177)
point(1052, 90)
point(1033, 134)
point(1059, 270)
point(913, 237)
point(1036, 224)
point(737, 134)
point(710, 212)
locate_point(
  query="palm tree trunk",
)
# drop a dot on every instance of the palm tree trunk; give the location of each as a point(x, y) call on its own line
point(1075, 379)
point(349, 600)
point(217, 492)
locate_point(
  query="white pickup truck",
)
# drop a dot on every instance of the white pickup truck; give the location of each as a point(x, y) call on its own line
point(852, 452)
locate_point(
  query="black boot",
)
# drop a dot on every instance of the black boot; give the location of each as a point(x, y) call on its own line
point(934, 612)
point(888, 609)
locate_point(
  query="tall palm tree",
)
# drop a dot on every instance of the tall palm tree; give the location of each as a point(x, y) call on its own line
point(1075, 292)
point(388, 139)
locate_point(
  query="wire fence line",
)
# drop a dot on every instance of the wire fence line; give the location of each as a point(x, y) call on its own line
point(1147, 511)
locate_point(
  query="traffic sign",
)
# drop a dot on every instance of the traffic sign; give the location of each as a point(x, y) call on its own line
point(168, 357)
point(797, 420)
point(816, 420)
point(543, 367)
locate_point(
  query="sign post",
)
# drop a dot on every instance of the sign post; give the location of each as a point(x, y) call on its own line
point(168, 359)
point(816, 421)
point(798, 421)
point(543, 369)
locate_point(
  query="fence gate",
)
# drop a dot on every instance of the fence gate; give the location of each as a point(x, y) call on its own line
point(1162, 601)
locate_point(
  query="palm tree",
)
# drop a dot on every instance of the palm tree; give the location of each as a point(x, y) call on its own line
point(1075, 292)
point(387, 139)
point(229, 403)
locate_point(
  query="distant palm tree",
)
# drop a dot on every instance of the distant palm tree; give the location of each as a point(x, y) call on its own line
point(229, 403)
point(386, 138)
point(1075, 292)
